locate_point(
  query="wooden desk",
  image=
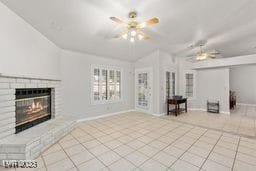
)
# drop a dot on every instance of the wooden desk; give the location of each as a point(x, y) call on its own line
point(176, 103)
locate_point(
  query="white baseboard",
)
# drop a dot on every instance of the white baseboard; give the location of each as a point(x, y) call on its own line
point(150, 113)
point(158, 114)
point(197, 109)
point(245, 104)
point(133, 110)
point(105, 115)
point(204, 110)
point(225, 113)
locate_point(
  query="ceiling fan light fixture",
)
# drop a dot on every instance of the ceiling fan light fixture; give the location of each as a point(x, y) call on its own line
point(133, 28)
point(142, 25)
point(202, 56)
point(133, 33)
point(140, 37)
point(125, 36)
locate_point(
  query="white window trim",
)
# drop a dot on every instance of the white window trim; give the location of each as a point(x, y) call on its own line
point(108, 68)
point(194, 84)
point(176, 81)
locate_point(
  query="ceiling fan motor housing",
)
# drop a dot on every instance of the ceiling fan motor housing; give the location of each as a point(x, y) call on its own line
point(132, 24)
point(132, 14)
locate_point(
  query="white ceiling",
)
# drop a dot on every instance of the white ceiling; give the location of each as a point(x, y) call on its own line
point(229, 26)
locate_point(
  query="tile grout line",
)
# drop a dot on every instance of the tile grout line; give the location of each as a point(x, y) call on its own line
point(89, 152)
point(68, 155)
point(56, 142)
point(121, 157)
point(145, 144)
point(154, 147)
point(163, 148)
point(239, 125)
point(236, 154)
point(45, 166)
point(179, 158)
point(211, 151)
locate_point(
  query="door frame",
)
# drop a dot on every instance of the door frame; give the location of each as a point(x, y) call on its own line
point(149, 70)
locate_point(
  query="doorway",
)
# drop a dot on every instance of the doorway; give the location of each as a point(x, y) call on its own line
point(143, 90)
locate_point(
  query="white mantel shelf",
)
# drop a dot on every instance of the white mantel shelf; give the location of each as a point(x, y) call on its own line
point(28, 77)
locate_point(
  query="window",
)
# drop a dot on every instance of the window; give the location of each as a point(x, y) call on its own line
point(189, 89)
point(112, 84)
point(106, 84)
point(173, 83)
point(96, 84)
point(168, 87)
point(142, 89)
point(118, 84)
point(170, 84)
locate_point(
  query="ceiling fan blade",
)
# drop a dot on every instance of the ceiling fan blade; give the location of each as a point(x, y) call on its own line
point(117, 20)
point(148, 23)
point(144, 35)
point(215, 53)
point(212, 56)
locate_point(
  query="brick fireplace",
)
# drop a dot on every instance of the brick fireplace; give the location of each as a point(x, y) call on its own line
point(30, 116)
point(8, 88)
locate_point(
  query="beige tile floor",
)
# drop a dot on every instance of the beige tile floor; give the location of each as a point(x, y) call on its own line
point(136, 141)
point(241, 121)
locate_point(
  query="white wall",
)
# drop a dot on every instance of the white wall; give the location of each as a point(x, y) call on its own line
point(243, 82)
point(211, 84)
point(76, 85)
point(24, 50)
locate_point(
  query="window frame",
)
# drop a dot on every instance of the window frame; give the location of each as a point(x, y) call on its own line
point(108, 68)
point(171, 71)
point(194, 84)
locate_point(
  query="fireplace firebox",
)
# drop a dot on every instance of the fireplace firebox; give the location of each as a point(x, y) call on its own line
point(33, 106)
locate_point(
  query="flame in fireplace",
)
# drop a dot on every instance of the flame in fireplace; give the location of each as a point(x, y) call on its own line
point(34, 108)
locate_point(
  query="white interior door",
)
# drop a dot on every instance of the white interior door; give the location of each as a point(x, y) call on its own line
point(143, 87)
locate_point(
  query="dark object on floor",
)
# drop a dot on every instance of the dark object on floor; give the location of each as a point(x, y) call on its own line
point(176, 102)
point(213, 107)
point(232, 99)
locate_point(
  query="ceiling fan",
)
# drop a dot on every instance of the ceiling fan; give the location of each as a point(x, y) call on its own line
point(133, 28)
point(203, 55)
